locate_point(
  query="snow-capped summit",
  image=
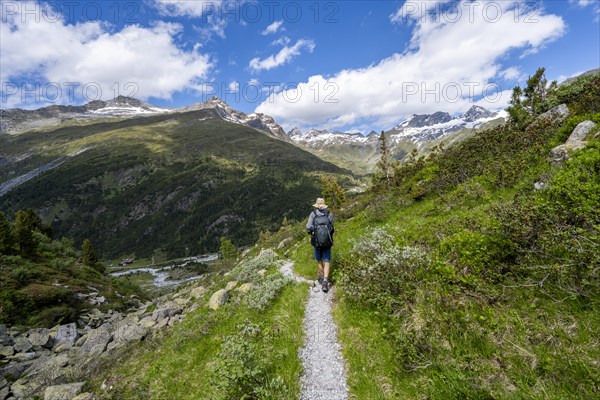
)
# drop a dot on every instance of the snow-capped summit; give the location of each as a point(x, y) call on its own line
point(315, 138)
point(258, 121)
point(475, 113)
point(427, 127)
point(123, 106)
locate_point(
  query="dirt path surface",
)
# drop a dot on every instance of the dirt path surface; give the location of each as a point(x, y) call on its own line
point(323, 376)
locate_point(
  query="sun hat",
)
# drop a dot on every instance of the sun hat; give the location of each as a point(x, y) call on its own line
point(320, 204)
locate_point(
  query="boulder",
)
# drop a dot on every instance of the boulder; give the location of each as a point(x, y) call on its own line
point(40, 337)
point(63, 392)
point(25, 356)
point(4, 393)
point(555, 114)
point(162, 323)
point(160, 314)
point(67, 334)
point(270, 254)
point(14, 370)
point(128, 330)
point(147, 322)
point(25, 388)
point(6, 351)
point(231, 285)
point(97, 340)
point(22, 345)
point(198, 292)
point(245, 288)
point(561, 153)
point(580, 132)
point(218, 299)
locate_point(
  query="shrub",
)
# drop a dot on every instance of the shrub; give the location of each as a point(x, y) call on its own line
point(379, 272)
point(247, 270)
point(262, 295)
point(242, 364)
point(475, 251)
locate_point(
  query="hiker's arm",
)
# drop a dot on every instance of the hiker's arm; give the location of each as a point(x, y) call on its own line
point(309, 224)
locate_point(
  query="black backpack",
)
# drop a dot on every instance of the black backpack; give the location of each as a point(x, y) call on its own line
point(322, 228)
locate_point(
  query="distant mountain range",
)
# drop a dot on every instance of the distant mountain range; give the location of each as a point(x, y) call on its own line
point(18, 120)
point(138, 179)
point(360, 153)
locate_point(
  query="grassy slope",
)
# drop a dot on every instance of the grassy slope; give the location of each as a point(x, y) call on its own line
point(481, 319)
point(161, 183)
point(181, 364)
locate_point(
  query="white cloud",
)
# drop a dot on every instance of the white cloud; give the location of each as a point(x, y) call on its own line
point(283, 56)
point(234, 86)
point(147, 59)
point(446, 68)
point(273, 28)
point(282, 41)
point(583, 3)
point(187, 8)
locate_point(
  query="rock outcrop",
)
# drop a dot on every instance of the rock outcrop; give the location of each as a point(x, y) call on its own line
point(576, 141)
point(53, 363)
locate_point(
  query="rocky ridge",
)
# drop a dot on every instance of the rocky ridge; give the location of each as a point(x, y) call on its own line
point(50, 361)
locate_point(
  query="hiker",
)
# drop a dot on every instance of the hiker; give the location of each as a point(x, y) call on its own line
point(321, 230)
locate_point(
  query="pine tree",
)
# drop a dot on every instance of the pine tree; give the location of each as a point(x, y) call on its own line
point(383, 164)
point(88, 253)
point(24, 234)
point(332, 192)
point(7, 239)
point(227, 249)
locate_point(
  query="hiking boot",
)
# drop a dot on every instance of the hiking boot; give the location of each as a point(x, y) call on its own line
point(325, 285)
point(320, 280)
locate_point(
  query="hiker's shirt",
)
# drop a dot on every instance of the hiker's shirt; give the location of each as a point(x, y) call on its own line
point(311, 218)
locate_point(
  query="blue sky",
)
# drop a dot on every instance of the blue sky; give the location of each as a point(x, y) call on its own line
point(349, 65)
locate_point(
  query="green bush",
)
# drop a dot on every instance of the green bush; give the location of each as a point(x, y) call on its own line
point(476, 251)
point(240, 371)
point(379, 272)
point(262, 294)
point(247, 270)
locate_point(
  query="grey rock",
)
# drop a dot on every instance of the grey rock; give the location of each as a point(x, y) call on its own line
point(284, 243)
point(67, 334)
point(580, 132)
point(148, 322)
point(262, 272)
point(6, 351)
point(3, 382)
point(25, 356)
point(245, 288)
point(160, 314)
point(22, 345)
point(539, 185)
point(218, 299)
point(231, 285)
point(555, 114)
point(268, 253)
point(3, 330)
point(4, 392)
point(561, 153)
point(63, 392)
point(81, 341)
point(162, 323)
point(198, 292)
point(128, 330)
point(40, 337)
point(97, 340)
point(16, 369)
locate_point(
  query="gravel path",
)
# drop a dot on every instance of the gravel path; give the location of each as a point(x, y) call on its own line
point(323, 376)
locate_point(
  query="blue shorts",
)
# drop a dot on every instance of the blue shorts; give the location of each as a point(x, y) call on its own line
point(323, 254)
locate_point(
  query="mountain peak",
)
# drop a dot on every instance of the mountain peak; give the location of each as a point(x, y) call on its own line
point(475, 113)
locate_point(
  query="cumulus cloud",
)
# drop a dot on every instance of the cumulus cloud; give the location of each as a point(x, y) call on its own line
point(282, 57)
point(234, 86)
point(142, 61)
point(450, 64)
point(187, 8)
point(273, 28)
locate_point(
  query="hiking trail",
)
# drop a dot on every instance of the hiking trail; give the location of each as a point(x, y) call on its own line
point(323, 375)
